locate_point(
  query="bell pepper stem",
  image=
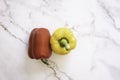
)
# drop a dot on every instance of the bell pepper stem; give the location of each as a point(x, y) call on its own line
point(65, 43)
point(45, 61)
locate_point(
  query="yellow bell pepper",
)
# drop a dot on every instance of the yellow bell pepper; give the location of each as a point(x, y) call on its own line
point(62, 41)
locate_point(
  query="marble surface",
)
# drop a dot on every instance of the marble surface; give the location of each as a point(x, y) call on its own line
point(95, 23)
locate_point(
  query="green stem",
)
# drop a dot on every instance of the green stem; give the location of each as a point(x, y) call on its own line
point(65, 44)
point(45, 61)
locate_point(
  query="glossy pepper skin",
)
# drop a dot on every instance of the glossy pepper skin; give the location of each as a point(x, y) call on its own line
point(39, 44)
point(62, 41)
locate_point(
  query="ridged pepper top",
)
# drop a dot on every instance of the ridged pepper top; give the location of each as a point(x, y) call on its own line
point(63, 41)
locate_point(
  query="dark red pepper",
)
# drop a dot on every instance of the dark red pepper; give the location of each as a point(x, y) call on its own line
point(39, 44)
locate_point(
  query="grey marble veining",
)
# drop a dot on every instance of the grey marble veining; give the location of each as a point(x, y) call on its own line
point(95, 23)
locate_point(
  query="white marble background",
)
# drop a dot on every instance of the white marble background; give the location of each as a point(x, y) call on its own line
point(95, 23)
